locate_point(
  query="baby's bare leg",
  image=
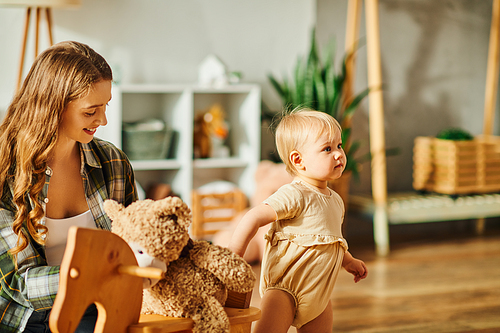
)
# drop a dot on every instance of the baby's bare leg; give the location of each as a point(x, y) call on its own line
point(278, 310)
point(321, 324)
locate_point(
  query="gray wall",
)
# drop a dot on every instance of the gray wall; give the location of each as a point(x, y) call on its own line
point(433, 54)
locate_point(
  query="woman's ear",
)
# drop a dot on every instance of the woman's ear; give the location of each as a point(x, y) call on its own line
point(296, 160)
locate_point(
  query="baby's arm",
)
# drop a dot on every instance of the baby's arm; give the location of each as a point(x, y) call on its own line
point(257, 217)
point(354, 266)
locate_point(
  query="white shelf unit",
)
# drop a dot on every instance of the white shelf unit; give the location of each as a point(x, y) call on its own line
point(177, 105)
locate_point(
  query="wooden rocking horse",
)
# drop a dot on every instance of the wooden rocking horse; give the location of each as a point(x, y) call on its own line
point(99, 267)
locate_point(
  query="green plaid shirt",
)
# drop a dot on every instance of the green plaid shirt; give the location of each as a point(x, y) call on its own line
point(107, 174)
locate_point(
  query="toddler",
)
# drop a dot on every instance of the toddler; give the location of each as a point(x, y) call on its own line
point(304, 246)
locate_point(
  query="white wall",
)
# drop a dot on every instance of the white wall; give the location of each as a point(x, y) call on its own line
point(433, 54)
point(163, 41)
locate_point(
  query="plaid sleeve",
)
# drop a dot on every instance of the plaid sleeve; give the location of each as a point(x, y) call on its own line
point(114, 179)
point(12, 283)
point(41, 284)
point(131, 194)
point(29, 286)
point(123, 179)
point(108, 175)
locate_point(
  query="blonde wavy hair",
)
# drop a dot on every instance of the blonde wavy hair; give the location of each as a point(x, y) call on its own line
point(63, 73)
point(299, 125)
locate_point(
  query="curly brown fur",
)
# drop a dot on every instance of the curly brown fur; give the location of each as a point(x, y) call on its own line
point(227, 266)
point(161, 227)
point(196, 283)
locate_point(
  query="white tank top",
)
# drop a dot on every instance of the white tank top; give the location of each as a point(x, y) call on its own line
point(57, 236)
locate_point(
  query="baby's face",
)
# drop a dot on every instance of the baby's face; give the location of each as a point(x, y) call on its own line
point(323, 159)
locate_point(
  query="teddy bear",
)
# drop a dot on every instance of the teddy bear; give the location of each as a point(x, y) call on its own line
point(198, 274)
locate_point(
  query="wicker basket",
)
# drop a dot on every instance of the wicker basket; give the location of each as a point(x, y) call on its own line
point(457, 167)
point(140, 143)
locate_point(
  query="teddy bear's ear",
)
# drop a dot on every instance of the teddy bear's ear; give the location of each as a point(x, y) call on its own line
point(174, 206)
point(113, 209)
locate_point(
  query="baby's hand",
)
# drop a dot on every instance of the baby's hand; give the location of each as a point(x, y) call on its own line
point(357, 268)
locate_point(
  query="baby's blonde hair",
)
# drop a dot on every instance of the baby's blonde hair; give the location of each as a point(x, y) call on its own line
point(298, 126)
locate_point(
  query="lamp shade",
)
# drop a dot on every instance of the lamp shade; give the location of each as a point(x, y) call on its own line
point(41, 3)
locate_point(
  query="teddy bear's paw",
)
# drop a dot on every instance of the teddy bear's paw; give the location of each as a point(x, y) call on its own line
point(209, 316)
point(152, 304)
point(226, 265)
point(241, 283)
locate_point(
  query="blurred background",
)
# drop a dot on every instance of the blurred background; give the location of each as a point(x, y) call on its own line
point(434, 55)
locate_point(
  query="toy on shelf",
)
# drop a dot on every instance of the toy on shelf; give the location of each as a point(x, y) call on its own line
point(212, 72)
point(198, 274)
point(210, 133)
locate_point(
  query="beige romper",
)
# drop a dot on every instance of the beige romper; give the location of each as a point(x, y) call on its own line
point(304, 248)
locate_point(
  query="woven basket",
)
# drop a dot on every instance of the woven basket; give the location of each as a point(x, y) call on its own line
point(457, 167)
point(141, 144)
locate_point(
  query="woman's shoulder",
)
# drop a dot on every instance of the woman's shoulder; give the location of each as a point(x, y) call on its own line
point(102, 151)
point(100, 144)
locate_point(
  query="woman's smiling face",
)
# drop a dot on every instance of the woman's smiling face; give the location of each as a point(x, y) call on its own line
point(83, 116)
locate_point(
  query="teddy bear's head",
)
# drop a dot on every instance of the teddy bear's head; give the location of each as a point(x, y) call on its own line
point(159, 227)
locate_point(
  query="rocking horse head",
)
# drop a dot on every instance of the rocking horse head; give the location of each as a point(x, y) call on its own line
point(89, 274)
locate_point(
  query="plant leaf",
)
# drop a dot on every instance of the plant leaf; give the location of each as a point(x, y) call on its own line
point(321, 88)
point(309, 83)
point(353, 148)
point(329, 77)
point(286, 89)
point(280, 89)
point(320, 92)
point(346, 134)
point(313, 51)
point(338, 83)
point(353, 105)
point(330, 90)
point(299, 80)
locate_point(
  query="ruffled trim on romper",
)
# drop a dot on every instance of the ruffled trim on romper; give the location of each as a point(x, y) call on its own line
point(273, 237)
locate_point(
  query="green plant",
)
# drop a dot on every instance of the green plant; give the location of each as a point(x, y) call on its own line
point(316, 84)
point(455, 134)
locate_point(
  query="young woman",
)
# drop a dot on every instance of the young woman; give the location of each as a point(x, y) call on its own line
point(54, 174)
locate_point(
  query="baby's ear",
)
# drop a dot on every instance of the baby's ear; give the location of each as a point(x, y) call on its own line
point(113, 209)
point(296, 159)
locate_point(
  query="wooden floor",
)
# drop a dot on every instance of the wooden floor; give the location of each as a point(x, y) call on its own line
point(439, 285)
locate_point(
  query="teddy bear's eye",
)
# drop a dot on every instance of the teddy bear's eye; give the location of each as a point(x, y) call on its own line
point(140, 252)
point(171, 217)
